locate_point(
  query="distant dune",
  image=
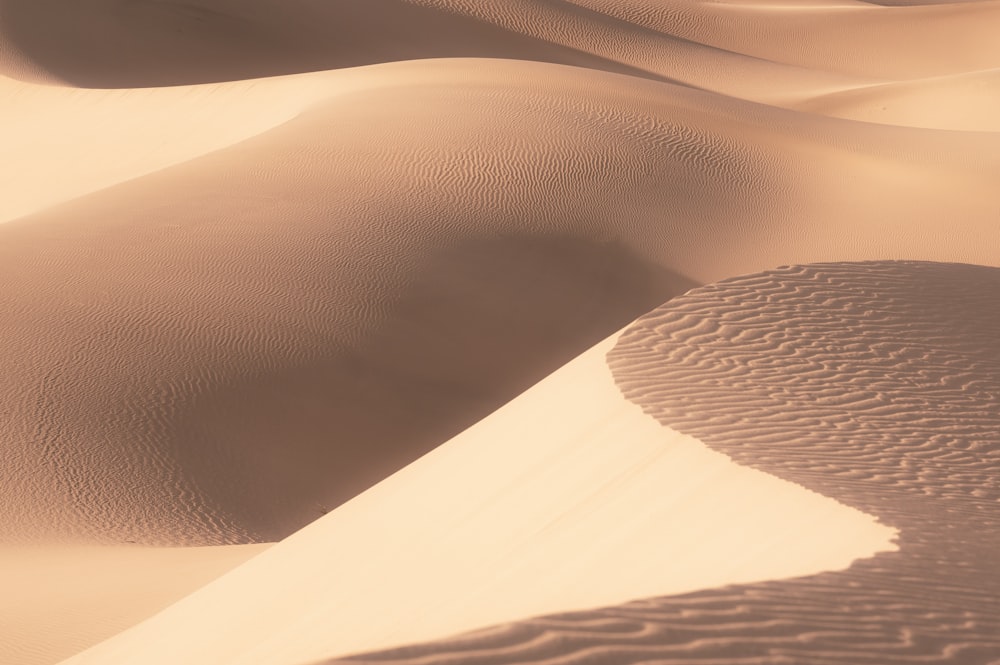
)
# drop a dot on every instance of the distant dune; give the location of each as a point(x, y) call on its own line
point(263, 293)
point(256, 256)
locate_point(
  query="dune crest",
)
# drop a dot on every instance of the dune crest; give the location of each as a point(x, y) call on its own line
point(875, 384)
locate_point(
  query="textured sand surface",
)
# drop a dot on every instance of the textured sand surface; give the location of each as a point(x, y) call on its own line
point(567, 498)
point(255, 256)
point(256, 335)
point(877, 384)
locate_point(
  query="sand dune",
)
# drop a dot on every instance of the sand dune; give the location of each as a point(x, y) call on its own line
point(72, 142)
point(230, 304)
point(874, 383)
point(565, 499)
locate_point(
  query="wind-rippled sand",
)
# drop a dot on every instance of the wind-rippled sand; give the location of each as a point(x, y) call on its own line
point(256, 256)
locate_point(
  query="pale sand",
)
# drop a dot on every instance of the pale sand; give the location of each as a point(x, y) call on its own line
point(565, 499)
point(874, 383)
point(239, 304)
point(58, 600)
point(965, 102)
point(72, 142)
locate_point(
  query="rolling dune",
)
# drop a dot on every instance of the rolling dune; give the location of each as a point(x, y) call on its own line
point(965, 102)
point(256, 256)
point(254, 336)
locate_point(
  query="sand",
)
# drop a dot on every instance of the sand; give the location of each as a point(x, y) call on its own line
point(60, 600)
point(567, 498)
point(256, 257)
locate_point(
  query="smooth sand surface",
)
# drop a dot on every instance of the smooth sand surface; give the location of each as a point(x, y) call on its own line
point(49, 591)
point(567, 498)
point(229, 304)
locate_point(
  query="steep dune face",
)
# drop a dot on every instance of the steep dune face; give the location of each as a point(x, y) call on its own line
point(873, 383)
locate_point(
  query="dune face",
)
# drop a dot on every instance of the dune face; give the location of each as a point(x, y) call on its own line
point(566, 498)
point(872, 383)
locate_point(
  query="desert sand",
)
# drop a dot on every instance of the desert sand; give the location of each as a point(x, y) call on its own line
point(266, 269)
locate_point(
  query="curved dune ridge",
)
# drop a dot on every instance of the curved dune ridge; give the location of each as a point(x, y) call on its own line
point(567, 498)
point(873, 383)
point(256, 256)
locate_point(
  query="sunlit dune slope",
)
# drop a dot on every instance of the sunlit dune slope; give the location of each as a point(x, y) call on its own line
point(254, 336)
point(67, 142)
point(566, 498)
point(966, 102)
point(60, 600)
point(872, 383)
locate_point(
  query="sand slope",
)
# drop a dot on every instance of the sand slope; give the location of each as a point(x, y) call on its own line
point(60, 600)
point(967, 102)
point(874, 383)
point(566, 498)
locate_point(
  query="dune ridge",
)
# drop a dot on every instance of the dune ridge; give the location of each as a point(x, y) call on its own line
point(874, 383)
point(568, 497)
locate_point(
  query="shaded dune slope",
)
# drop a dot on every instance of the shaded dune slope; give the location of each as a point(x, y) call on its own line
point(967, 102)
point(60, 600)
point(128, 44)
point(872, 383)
